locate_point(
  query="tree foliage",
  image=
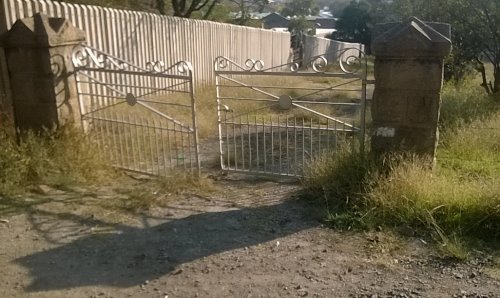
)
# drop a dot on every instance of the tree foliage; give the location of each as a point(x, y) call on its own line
point(300, 8)
point(354, 23)
point(185, 8)
point(475, 30)
point(245, 7)
point(475, 34)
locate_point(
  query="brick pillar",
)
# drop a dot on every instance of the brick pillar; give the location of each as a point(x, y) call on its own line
point(38, 51)
point(408, 80)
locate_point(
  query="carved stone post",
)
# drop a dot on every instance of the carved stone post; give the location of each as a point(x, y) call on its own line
point(38, 51)
point(408, 80)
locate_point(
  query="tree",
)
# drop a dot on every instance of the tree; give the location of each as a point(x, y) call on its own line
point(245, 7)
point(477, 36)
point(475, 33)
point(300, 8)
point(301, 25)
point(337, 6)
point(355, 23)
point(185, 8)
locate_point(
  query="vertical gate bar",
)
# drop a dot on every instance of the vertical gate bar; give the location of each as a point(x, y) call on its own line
point(249, 144)
point(157, 147)
point(138, 146)
point(336, 133)
point(228, 152)
point(131, 128)
point(303, 144)
point(116, 130)
point(109, 140)
point(183, 150)
point(195, 125)
point(256, 142)
point(242, 145)
point(176, 144)
point(151, 151)
point(190, 149)
point(144, 149)
point(118, 126)
point(363, 115)
point(219, 124)
point(328, 134)
point(125, 138)
point(310, 139)
point(234, 145)
point(264, 141)
point(101, 136)
point(319, 136)
point(295, 145)
point(272, 144)
point(163, 152)
point(280, 151)
point(287, 150)
point(169, 143)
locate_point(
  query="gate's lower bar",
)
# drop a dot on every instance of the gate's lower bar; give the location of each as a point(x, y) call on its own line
point(277, 145)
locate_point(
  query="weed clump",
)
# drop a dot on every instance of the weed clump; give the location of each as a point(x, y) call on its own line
point(454, 203)
point(60, 157)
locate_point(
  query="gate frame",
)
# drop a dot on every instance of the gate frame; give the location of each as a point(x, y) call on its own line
point(315, 67)
point(88, 59)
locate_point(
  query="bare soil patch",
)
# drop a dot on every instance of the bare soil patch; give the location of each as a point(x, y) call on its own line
point(249, 238)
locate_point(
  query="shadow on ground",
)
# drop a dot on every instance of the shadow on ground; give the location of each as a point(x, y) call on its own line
point(129, 256)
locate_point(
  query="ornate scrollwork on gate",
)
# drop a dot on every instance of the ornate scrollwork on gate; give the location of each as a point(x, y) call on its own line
point(352, 60)
point(318, 63)
point(87, 57)
point(349, 61)
point(181, 67)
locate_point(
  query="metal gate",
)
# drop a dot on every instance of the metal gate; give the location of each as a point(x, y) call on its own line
point(141, 118)
point(275, 120)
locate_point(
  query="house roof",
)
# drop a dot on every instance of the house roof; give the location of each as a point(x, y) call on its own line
point(275, 20)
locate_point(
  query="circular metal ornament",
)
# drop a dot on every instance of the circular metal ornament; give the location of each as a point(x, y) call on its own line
point(285, 102)
point(131, 99)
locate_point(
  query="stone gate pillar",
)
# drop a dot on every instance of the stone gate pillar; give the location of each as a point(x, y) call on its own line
point(408, 80)
point(38, 52)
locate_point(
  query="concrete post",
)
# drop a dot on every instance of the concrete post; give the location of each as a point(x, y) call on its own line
point(38, 51)
point(408, 80)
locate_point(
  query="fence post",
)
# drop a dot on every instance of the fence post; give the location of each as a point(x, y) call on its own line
point(39, 51)
point(408, 80)
point(6, 112)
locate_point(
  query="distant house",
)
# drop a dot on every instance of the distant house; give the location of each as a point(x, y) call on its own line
point(275, 21)
point(324, 26)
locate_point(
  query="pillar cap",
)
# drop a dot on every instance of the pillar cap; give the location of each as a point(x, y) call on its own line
point(42, 31)
point(413, 38)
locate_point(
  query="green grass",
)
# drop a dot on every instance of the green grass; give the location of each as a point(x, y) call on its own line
point(57, 158)
point(457, 204)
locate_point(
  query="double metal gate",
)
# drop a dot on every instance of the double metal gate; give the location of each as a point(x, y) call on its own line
point(142, 118)
point(271, 121)
point(276, 120)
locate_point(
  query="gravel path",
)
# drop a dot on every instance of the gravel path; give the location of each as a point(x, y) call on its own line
point(248, 239)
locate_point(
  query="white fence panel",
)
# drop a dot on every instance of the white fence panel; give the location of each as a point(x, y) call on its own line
point(141, 37)
point(314, 46)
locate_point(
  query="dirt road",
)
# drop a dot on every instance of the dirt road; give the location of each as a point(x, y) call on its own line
point(246, 239)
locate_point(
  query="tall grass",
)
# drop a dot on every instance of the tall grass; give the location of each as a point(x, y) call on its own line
point(454, 203)
point(58, 158)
